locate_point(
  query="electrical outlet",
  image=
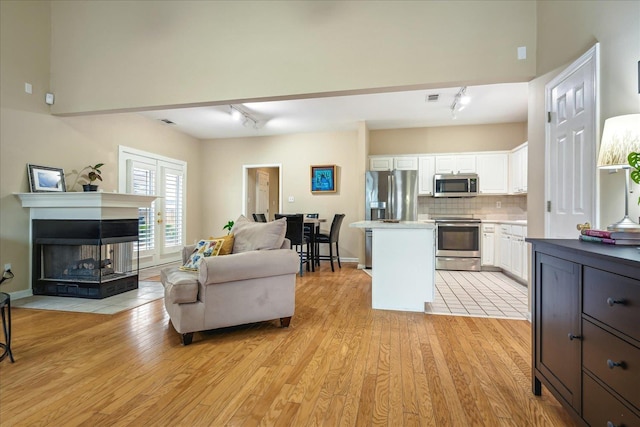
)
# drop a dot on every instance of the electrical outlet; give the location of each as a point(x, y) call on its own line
point(291, 199)
point(7, 267)
point(498, 205)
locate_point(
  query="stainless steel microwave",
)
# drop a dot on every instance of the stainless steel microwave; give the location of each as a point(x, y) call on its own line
point(455, 185)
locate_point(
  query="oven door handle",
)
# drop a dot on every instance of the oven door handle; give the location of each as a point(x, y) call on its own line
point(458, 224)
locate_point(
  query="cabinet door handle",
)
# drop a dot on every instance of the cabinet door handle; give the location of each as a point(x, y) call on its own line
point(574, 337)
point(610, 424)
point(613, 302)
point(611, 364)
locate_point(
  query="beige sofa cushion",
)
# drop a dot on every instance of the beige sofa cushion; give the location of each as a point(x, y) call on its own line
point(248, 265)
point(252, 236)
point(180, 286)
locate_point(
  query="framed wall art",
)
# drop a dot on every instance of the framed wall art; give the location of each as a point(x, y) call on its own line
point(323, 179)
point(45, 179)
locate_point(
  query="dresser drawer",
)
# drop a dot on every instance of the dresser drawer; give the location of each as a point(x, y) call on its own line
point(599, 349)
point(613, 300)
point(600, 407)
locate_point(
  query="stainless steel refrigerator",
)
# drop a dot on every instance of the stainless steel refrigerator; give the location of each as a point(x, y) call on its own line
point(391, 195)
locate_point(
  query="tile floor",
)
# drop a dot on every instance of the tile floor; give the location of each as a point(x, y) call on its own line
point(479, 294)
point(147, 291)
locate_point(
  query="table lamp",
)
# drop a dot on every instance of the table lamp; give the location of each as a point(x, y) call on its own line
point(621, 136)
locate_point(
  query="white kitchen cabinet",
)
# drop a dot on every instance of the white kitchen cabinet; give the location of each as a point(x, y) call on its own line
point(505, 247)
point(380, 163)
point(426, 170)
point(514, 256)
point(464, 163)
point(517, 243)
point(518, 165)
point(488, 244)
point(387, 163)
point(405, 163)
point(493, 173)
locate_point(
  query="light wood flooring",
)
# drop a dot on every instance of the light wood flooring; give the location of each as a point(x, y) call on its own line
point(339, 363)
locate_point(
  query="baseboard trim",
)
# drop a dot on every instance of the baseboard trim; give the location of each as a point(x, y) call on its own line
point(21, 294)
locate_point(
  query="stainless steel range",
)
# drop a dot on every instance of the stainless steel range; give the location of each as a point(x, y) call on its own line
point(458, 244)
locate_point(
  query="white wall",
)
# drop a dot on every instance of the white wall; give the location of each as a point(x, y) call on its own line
point(30, 134)
point(297, 153)
point(567, 29)
point(113, 54)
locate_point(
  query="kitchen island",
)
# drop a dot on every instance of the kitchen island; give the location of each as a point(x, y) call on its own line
point(403, 256)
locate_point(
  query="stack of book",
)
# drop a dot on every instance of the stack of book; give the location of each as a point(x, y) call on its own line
point(628, 238)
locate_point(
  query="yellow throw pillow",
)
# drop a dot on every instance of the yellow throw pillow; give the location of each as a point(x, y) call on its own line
point(203, 249)
point(227, 246)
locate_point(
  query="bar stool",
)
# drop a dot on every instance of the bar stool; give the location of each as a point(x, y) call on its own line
point(5, 301)
point(331, 239)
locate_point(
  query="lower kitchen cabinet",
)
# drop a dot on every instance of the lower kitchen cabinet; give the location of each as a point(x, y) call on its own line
point(488, 244)
point(586, 339)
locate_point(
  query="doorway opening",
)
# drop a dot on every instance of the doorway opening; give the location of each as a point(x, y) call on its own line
point(262, 190)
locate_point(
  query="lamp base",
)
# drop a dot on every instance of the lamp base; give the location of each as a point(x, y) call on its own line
point(625, 224)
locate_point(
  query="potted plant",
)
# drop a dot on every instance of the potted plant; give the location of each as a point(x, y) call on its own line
point(92, 175)
point(228, 226)
point(634, 162)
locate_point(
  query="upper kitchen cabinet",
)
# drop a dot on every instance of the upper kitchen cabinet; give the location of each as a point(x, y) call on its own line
point(493, 172)
point(405, 163)
point(465, 163)
point(426, 170)
point(387, 163)
point(518, 165)
point(380, 163)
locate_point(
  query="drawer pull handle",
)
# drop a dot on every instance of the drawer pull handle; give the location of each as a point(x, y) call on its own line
point(574, 337)
point(613, 302)
point(610, 424)
point(611, 364)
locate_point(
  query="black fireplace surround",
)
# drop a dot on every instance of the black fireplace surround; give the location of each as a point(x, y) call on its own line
point(84, 258)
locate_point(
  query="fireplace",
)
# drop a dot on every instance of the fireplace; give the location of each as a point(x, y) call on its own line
point(83, 243)
point(84, 257)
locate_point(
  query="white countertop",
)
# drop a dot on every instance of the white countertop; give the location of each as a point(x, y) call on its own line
point(489, 221)
point(505, 221)
point(392, 225)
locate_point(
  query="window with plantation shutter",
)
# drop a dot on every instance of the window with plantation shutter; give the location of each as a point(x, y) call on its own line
point(161, 233)
point(144, 182)
point(173, 208)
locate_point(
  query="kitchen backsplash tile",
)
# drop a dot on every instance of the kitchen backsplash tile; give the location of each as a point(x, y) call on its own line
point(483, 207)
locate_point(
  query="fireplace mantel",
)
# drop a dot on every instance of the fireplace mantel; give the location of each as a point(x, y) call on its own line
point(84, 205)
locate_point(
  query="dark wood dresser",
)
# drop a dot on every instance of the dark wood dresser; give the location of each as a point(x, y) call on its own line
point(586, 329)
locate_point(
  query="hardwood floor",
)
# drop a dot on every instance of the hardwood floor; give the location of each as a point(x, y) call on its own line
point(339, 363)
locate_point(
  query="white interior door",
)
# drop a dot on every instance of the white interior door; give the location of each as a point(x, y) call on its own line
point(571, 148)
point(262, 193)
point(162, 226)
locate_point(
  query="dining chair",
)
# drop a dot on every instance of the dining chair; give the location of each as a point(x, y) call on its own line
point(331, 238)
point(310, 231)
point(295, 233)
point(258, 217)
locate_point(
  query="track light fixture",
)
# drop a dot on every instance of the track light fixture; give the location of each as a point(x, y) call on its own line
point(460, 101)
point(246, 118)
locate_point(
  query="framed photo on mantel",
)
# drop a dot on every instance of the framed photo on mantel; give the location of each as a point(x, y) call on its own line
point(45, 179)
point(323, 179)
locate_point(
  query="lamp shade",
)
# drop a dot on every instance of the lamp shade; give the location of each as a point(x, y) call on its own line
point(621, 136)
